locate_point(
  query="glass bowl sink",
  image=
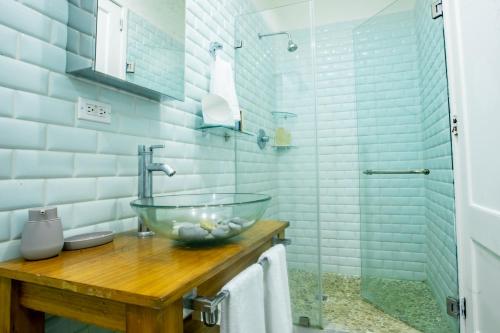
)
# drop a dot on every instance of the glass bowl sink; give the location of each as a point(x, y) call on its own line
point(201, 218)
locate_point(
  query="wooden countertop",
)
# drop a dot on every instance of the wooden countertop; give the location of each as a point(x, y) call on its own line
point(151, 272)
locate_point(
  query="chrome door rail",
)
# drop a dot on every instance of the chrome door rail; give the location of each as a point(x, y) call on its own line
point(398, 172)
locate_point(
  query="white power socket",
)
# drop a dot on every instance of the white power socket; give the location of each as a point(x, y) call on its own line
point(93, 111)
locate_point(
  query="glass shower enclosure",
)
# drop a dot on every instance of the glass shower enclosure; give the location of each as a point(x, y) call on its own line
point(408, 246)
point(358, 160)
point(275, 84)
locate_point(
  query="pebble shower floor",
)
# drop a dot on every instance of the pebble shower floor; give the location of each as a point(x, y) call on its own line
point(346, 311)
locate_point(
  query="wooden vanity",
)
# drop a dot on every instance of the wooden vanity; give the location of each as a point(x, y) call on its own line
point(131, 284)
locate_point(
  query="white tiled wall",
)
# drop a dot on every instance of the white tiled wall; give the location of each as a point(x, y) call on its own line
point(441, 266)
point(285, 84)
point(156, 56)
point(88, 170)
point(389, 134)
point(256, 169)
point(338, 149)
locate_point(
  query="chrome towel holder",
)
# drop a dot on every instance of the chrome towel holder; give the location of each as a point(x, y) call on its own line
point(216, 46)
point(209, 306)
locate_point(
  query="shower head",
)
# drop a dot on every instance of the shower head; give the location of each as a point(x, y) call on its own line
point(292, 47)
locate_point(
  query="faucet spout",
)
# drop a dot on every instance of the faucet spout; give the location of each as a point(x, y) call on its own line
point(167, 169)
point(145, 182)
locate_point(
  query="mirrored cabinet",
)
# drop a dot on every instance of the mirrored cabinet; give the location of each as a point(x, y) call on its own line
point(137, 46)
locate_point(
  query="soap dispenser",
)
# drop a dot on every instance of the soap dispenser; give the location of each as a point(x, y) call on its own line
point(42, 235)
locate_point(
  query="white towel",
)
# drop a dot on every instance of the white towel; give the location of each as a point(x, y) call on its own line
point(276, 291)
point(222, 84)
point(243, 310)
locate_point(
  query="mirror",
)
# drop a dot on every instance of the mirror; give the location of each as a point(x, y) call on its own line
point(133, 45)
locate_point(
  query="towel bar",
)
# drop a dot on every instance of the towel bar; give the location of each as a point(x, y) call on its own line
point(209, 306)
point(285, 241)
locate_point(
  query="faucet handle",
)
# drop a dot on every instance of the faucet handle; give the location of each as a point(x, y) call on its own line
point(153, 147)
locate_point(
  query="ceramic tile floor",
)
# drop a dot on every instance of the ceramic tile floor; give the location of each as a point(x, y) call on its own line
point(345, 311)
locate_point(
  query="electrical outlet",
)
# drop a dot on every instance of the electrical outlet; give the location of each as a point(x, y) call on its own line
point(93, 111)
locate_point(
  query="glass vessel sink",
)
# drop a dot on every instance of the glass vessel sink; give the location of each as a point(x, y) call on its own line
point(201, 218)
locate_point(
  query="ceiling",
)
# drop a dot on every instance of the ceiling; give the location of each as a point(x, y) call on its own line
point(293, 14)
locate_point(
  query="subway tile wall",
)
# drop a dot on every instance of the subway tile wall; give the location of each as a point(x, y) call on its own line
point(389, 134)
point(88, 170)
point(441, 265)
point(254, 66)
point(287, 86)
point(338, 149)
point(155, 55)
point(298, 166)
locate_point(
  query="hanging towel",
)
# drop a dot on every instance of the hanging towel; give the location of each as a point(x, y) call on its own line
point(216, 111)
point(276, 291)
point(222, 84)
point(243, 310)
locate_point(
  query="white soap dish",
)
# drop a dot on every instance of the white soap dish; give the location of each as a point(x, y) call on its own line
point(90, 239)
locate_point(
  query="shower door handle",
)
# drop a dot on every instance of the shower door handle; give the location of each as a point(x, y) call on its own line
point(397, 172)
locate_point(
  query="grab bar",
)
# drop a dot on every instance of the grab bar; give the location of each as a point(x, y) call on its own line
point(398, 172)
point(209, 307)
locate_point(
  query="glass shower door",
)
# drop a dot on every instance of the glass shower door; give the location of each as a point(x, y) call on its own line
point(275, 85)
point(408, 246)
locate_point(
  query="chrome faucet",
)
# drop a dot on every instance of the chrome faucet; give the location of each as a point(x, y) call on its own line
point(146, 169)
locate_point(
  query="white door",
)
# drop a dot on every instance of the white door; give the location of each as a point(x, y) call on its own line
point(472, 29)
point(111, 39)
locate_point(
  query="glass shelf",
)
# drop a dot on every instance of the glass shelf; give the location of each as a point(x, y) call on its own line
point(284, 147)
point(284, 115)
point(222, 127)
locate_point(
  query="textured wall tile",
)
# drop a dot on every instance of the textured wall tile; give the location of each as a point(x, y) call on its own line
point(91, 165)
point(21, 134)
point(8, 47)
point(94, 212)
point(56, 9)
point(4, 226)
point(43, 109)
point(20, 75)
point(41, 53)
point(6, 102)
point(24, 19)
point(59, 34)
point(67, 87)
point(127, 165)
point(21, 193)
point(123, 208)
point(42, 164)
point(71, 139)
point(5, 163)
point(119, 144)
point(81, 20)
point(116, 187)
point(69, 190)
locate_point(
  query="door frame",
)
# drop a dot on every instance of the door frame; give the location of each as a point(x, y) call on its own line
point(458, 108)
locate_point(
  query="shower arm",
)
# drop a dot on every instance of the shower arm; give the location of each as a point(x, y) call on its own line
point(274, 34)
